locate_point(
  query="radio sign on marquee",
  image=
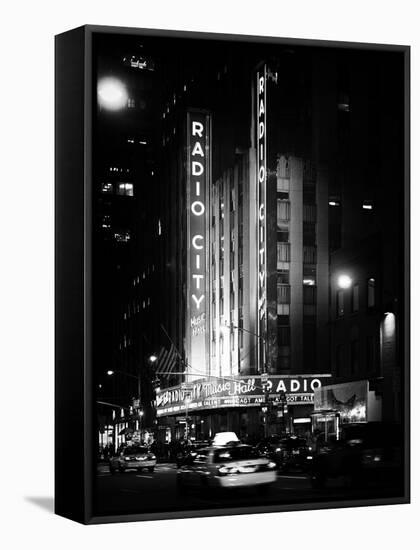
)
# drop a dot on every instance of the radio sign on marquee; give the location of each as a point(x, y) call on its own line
point(197, 188)
point(240, 392)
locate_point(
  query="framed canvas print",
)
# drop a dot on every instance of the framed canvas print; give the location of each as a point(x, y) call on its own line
point(232, 274)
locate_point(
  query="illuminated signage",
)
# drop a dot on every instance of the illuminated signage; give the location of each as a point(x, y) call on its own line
point(349, 399)
point(239, 392)
point(198, 171)
point(261, 147)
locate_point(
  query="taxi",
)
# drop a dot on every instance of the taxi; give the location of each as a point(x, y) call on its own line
point(133, 457)
point(227, 466)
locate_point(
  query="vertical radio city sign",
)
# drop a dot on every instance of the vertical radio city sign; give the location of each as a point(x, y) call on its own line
point(261, 176)
point(198, 177)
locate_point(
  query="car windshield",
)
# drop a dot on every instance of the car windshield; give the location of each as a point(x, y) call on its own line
point(135, 450)
point(232, 454)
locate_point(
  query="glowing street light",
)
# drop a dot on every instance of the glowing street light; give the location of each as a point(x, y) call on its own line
point(112, 94)
point(344, 281)
point(110, 372)
point(153, 358)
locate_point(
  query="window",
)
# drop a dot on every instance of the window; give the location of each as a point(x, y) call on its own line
point(125, 189)
point(309, 294)
point(283, 211)
point(354, 356)
point(355, 298)
point(309, 234)
point(283, 309)
point(232, 454)
point(122, 236)
point(283, 277)
point(283, 294)
point(283, 320)
point(282, 234)
point(107, 187)
point(283, 252)
point(309, 346)
point(309, 213)
point(340, 303)
point(283, 336)
point(371, 293)
point(309, 254)
point(309, 275)
point(309, 196)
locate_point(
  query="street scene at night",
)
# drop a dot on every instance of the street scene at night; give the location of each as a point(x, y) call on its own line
point(248, 274)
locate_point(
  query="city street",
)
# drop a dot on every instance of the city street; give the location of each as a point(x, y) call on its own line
point(156, 492)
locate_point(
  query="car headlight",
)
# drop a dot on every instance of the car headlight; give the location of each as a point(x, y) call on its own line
point(226, 470)
point(152, 457)
point(271, 465)
point(278, 449)
point(127, 458)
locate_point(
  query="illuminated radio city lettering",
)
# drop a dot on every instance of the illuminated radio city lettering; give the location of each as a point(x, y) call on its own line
point(198, 210)
point(197, 189)
point(261, 175)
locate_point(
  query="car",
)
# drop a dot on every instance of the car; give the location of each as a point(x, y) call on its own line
point(289, 453)
point(226, 467)
point(365, 455)
point(134, 457)
point(189, 450)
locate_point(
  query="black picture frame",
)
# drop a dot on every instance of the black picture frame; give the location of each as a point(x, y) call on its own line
point(75, 464)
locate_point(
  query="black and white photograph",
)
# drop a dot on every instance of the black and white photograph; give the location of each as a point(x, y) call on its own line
point(209, 275)
point(248, 283)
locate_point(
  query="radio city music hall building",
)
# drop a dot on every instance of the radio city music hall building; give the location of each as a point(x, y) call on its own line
point(247, 284)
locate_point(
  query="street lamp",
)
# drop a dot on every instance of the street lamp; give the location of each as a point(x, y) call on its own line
point(112, 372)
point(187, 401)
point(344, 281)
point(112, 93)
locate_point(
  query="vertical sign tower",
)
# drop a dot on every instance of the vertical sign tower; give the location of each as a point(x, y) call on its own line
point(261, 177)
point(198, 178)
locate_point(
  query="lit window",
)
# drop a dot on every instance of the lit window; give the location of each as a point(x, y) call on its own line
point(125, 189)
point(122, 236)
point(309, 281)
point(334, 202)
point(343, 102)
point(371, 293)
point(107, 187)
point(106, 222)
point(131, 103)
point(367, 205)
point(159, 228)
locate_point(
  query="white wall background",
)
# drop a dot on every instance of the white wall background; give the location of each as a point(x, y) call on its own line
point(26, 270)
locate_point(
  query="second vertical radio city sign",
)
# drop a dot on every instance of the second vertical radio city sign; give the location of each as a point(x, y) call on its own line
point(198, 177)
